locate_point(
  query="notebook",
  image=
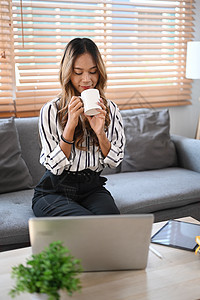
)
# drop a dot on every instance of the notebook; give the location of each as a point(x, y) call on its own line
point(102, 243)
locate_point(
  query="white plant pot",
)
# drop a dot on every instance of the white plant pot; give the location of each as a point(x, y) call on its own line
point(63, 296)
point(36, 296)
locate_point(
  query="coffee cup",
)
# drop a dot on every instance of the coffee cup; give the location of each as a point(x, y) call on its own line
point(91, 98)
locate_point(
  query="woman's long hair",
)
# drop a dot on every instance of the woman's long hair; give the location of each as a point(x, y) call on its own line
point(75, 48)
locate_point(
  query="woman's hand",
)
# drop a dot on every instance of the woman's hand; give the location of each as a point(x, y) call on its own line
point(97, 122)
point(75, 109)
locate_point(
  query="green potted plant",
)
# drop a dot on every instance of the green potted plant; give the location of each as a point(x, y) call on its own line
point(47, 273)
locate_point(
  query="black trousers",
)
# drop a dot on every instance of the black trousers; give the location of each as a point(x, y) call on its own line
point(73, 194)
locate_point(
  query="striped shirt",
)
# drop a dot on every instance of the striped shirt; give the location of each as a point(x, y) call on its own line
point(54, 159)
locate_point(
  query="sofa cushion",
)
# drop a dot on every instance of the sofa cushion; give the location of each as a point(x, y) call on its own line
point(15, 211)
point(30, 145)
point(14, 173)
point(148, 143)
point(155, 190)
point(134, 111)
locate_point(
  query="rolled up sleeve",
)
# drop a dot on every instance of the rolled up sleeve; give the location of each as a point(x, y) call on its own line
point(116, 137)
point(52, 156)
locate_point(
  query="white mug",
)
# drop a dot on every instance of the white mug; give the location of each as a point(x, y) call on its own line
point(91, 98)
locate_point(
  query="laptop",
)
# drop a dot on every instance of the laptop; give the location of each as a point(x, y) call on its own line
point(102, 243)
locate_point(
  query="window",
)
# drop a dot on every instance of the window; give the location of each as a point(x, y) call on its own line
point(143, 44)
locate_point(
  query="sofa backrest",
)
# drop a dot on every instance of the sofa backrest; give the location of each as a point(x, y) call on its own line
point(30, 145)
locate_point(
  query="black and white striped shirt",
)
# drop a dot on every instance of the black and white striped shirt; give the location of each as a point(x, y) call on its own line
point(54, 159)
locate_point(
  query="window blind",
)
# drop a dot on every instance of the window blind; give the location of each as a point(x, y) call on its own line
point(143, 44)
point(7, 108)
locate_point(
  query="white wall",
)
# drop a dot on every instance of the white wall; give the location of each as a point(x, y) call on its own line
point(184, 119)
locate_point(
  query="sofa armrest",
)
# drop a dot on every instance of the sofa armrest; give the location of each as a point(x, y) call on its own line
point(188, 152)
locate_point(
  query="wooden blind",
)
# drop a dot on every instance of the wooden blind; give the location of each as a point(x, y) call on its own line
point(143, 44)
point(7, 108)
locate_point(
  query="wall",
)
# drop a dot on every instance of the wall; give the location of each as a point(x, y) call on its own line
point(184, 119)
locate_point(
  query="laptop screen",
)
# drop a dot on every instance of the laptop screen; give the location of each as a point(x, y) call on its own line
point(114, 242)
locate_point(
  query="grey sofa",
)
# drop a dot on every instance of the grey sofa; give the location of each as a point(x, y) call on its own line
point(167, 192)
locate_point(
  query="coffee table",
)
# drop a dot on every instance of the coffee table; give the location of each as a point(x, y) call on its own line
point(175, 276)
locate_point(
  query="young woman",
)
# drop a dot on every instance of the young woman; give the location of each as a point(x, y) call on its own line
point(76, 147)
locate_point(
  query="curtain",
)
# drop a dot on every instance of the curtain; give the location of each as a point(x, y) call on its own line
point(143, 44)
point(7, 107)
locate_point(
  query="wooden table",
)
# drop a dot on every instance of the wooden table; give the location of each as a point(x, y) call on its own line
point(176, 276)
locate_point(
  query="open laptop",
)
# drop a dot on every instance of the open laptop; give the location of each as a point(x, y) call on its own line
point(102, 243)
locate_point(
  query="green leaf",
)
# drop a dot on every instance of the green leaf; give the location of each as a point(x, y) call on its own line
point(48, 272)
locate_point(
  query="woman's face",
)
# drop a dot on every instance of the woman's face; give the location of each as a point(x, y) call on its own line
point(85, 73)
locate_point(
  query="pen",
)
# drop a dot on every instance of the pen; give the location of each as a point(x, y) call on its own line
point(154, 251)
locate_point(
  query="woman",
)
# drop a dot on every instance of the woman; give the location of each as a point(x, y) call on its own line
point(76, 147)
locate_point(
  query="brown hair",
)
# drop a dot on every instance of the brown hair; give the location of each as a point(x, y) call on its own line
point(75, 48)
